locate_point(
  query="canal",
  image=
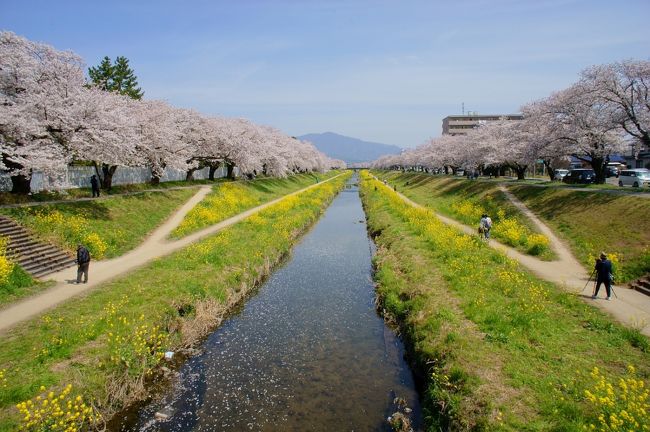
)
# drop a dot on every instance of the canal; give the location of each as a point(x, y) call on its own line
point(307, 353)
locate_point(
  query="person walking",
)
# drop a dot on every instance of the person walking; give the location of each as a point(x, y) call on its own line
point(94, 182)
point(485, 225)
point(603, 271)
point(83, 261)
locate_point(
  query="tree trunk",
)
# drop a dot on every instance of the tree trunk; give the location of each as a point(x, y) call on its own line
point(189, 176)
point(598, 164)
point(155, 179)
point(231, 170)
point(20, 184)
point(549, 168)
point(213, 169)
point(521, 172)
point(106, 175)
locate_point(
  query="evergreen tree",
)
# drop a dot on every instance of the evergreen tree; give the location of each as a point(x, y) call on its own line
point(118, 77)
point(124, 80)
point(102, 75)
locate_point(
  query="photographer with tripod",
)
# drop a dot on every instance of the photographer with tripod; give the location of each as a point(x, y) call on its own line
point(603, 270)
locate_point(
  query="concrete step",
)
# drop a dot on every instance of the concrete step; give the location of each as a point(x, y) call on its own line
point(49, 259)
point(17, 236)
point(644, 283)
point(45, 262)
point(34, 249)
point(43, 271)
point(35, 257)
point(25, 247)
point(9, 230)
point(641, 289)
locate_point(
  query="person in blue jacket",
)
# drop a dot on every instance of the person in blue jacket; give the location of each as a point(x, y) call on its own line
point(603, 275)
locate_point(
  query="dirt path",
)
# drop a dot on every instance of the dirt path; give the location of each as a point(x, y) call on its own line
point(628, 306)
point(155, 246)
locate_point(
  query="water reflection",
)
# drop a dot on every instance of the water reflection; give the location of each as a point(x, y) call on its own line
point(307, 353)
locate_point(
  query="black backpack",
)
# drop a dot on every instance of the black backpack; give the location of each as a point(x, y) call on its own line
point(84, 255)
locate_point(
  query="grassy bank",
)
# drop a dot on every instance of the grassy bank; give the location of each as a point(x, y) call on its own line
point(109, 227)
point(466, 201)
point(229, 199)
point(109, 343)
point(498, 348)
point(86, 192)
point(595, 222)
point(112, 227)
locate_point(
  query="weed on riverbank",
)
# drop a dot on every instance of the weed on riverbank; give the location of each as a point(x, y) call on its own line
point(110, 342)
point(593, 222)
point(229, 199)
point(466, 201)
point(109, 227)
point(498, 348)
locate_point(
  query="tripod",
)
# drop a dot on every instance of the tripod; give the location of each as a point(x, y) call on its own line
point(589, 280)
point(611, 286)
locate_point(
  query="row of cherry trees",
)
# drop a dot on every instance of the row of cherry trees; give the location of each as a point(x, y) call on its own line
point(606, 112)
point(50, 117)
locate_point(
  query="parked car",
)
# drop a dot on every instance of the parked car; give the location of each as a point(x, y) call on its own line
point(582, 176)
point(560, 173)
point(638, 177)
point(611, 171)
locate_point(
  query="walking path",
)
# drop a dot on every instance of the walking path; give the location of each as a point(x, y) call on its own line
point(627, 306)
point(155, 246)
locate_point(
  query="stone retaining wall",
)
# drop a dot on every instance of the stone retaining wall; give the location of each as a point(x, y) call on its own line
point(79, 176)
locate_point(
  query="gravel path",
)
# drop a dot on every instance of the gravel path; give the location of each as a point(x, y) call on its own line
point(628, 306)
point(155, 246)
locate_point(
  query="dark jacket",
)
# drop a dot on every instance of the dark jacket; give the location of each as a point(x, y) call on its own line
point(94, 182)
point(83, 256)
point(603, 269)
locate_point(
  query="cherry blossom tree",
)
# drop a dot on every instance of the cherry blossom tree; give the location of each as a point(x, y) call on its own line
point(39, 90)
point(585, 125)
point(50, 117)
point(625, 88)
point(107, 133)
point(160, 143)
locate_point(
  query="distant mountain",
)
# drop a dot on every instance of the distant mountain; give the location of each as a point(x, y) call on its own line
point(348, 149)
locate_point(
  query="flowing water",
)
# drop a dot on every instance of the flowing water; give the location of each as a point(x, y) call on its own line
point(307, 353)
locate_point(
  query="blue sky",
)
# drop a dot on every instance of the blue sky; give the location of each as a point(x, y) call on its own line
point(385, 71)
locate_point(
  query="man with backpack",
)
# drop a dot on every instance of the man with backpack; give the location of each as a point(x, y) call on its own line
point(83, 260)
point(485, 225)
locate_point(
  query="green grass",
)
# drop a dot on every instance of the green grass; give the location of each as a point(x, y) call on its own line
point(498, 348)
point(95, 342)
point(229, 199)
point(595, 222)
point(8, 198)
point(446, 194)
point(19, 284)
point(121, 222)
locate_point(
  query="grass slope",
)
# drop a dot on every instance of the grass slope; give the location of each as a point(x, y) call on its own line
point(109, 343)
point(497, 348)
point(595, 222)
point(121, 222)
point(229, 199)
point(466, 200)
